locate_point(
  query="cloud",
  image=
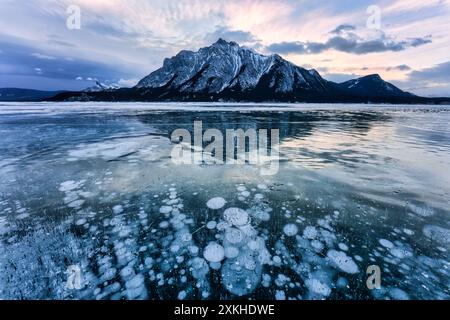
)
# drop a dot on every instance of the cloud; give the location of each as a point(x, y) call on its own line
point(340, 77)
point(239, 36)
point(344, 39)
point(436, 73)
point(18, 63)
point(343, 27)
point(42, 56)
point(127, 83)
point(433, 81)
point(56, 40)
point(402, 67)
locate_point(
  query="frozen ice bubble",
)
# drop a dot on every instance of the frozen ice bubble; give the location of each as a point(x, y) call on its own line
point(211, 225)
point(182, 295)
point(165, 209)
point(386, 243)
point(239, 280)
point(214, 252)
point(234, 236)
point(342, 261)
point(280, 295)
point(216, 203)
point(236, 216)
point(310, 233)
point(438, 234)
point(290, 230)
point(318, 287)
point(231, 252)
point(118, 209)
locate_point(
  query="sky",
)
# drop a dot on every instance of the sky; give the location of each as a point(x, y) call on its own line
point(42, 46)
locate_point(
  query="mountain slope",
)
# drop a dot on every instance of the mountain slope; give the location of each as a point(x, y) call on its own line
point(372, 86)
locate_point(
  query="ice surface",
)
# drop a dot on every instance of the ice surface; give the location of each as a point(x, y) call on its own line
point(94, 187)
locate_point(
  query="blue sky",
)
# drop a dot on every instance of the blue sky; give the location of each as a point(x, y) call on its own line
point(121, 41)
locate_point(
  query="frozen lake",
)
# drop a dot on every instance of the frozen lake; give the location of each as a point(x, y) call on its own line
point(92, 188)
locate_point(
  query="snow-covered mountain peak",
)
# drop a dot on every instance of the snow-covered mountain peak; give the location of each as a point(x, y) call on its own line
point(98, 87)
point(226, 66)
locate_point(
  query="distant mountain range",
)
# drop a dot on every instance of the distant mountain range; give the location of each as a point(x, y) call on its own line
point(15, 94)
point(99, 87)
point(228, 72)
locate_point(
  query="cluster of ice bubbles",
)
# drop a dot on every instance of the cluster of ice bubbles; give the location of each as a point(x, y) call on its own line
point(147, 247)
point(239, 252)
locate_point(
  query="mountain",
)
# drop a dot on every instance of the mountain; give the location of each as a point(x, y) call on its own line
point(226, 71)
point(16, 94)
point(99, 87)
point(227, 68)
point(372, 86)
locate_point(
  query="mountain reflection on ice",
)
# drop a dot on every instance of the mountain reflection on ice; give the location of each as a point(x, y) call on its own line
point(94, 187)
